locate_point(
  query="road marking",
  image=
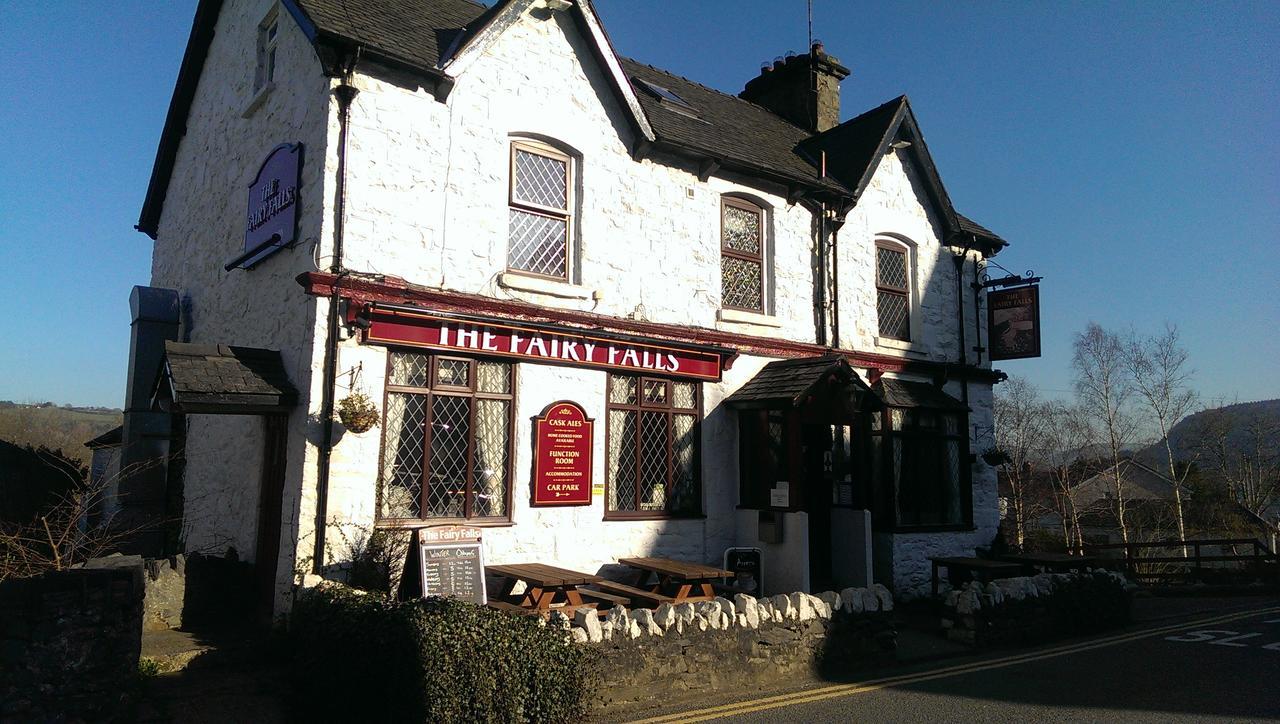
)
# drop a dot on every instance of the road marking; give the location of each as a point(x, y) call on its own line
point(841, 690)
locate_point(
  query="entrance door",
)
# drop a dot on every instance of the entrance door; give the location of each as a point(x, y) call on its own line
point(270, 503)
point(817, 467)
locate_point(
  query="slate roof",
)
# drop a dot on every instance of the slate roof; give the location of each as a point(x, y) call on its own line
point(110, 438)
point(789, 382)
point(735, 131)
point(219, 378)
point(415, 32)
point(904, 393)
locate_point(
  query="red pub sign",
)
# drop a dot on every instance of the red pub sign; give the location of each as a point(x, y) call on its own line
point(538, 343)
point(562, 438)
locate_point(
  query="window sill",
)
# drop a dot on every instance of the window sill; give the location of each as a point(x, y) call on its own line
point(406, 524)
point(741, 316)
point(538, 285)
point(616, 517)
point(900, 346)
point(258, 98)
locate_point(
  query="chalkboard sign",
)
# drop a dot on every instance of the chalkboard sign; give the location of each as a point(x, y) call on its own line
point(745, 564)
point(452, 567)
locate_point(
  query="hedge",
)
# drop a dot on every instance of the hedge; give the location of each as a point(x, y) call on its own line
point(360, 657)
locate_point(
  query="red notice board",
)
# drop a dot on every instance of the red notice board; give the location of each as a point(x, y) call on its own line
point(562, 443)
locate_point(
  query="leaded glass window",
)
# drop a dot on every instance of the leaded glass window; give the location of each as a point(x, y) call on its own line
point(919, 456)
point(742, 244)
point(893, 291)
point(446, 447)
point(652, 466)
point(540, 218)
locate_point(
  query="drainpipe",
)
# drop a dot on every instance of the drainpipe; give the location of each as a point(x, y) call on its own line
point(345, 93)
point(835, 281)
point(959, 260)
point(977, 314)
point(822, 273)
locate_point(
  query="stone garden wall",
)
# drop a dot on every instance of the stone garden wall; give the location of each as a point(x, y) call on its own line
point(1036, 608)
point(69, 644)
point(690, 648)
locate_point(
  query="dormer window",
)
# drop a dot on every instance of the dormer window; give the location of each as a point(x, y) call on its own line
point(540, 218)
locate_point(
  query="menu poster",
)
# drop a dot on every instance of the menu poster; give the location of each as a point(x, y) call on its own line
point(562, 455)
point(452, 565)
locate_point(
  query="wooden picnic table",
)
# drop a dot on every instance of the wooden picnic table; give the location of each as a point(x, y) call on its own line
point(679, 580)
point(983, 569)
point(545, 586)
point(1051, 561)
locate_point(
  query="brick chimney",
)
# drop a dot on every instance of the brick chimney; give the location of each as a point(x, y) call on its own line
point(804, 89)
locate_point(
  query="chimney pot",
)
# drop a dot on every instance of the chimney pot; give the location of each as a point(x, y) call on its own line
point(803, 89)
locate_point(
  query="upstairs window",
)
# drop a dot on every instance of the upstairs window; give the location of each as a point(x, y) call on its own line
point(742, 270)
point(893, 290)
point(268, 34)
point(540, 218)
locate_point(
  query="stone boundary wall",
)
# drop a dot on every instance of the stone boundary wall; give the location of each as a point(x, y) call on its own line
point(1036, 608)
point(69, 644)
point(690, 648)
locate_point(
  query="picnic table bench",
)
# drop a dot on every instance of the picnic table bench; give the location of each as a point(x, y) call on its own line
point(1052, 562)
point(982, 569)
point(545, 586)
point(676, 581)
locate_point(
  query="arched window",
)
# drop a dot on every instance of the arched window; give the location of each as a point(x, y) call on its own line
point(893, 289)
point(540, 225)
point(743, 239)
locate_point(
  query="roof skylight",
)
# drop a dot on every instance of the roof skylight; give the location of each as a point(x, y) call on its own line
point(663, 94)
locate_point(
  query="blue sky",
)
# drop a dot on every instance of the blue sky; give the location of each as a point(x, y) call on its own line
point(1127, 150)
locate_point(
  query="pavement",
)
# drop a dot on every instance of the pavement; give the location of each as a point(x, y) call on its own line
point(1184, 660)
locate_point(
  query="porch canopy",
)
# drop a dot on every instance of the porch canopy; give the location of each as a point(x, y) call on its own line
point(824, 383)
point(219, 379)
point(904, 393)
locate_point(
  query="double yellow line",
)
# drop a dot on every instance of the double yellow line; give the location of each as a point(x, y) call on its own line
point(864, 687)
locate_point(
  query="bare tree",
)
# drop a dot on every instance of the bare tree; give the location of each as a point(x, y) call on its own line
point(1158, 368)
point(1068, 439)
point(1103, 389)
point(1019, 434)
point(1244, 452)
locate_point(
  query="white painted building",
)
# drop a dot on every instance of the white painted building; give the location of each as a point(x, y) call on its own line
point(615, 236)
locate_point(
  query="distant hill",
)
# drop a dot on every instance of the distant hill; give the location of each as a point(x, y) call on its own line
point(57, 428)
point(1236, 420)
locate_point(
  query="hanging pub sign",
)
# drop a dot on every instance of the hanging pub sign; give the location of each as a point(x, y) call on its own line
point(539, 343)
point(271, 221)
point(1013, 322)
point(562, 437)
point(451, 563)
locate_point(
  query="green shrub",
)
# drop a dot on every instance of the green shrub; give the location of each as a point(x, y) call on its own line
point(366, 658)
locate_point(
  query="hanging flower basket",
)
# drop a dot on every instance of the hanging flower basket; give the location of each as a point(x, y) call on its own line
point(995, 457)
point(357, 412)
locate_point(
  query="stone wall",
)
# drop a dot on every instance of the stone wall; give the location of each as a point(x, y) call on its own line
point(1036, 608)
point(692, 648)
point(69, 644)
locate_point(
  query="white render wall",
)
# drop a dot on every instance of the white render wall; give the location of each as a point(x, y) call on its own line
point(428, 190)
point(575, 537)
point(202, 228)
point(426, 201)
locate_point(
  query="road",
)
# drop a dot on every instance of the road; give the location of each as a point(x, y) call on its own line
point(1215, 667)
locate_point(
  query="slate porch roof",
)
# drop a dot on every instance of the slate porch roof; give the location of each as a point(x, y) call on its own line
point(904, 393)
point(110, 438)
point(788, 383)
point(216, 378)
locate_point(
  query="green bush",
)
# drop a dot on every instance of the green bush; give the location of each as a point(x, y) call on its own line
point(366, 658)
